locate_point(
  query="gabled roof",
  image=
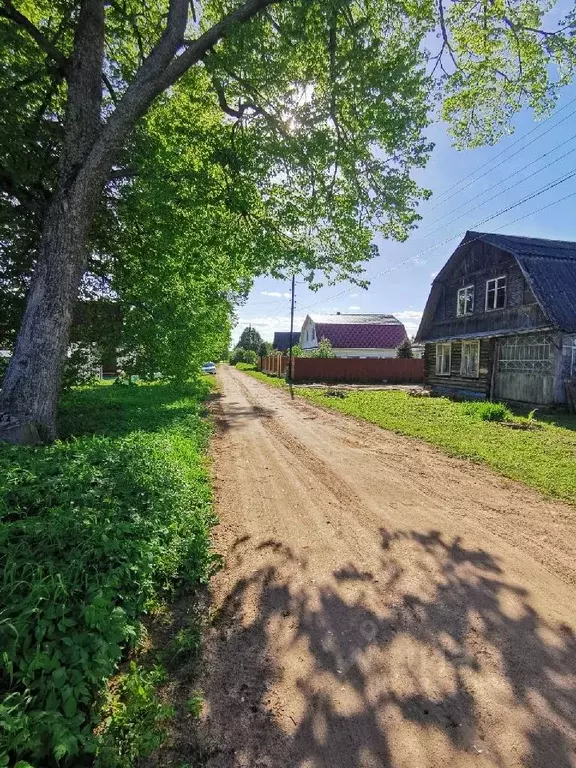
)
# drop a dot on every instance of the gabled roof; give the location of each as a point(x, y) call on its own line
point(282, 340)
point(343, 319)
point(549, 266)
point(360, 331)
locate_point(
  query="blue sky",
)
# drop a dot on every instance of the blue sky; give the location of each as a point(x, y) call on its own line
point(403, 288)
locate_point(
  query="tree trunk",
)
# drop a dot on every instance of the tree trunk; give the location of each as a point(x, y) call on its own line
point(32, 382)
point(31, 386)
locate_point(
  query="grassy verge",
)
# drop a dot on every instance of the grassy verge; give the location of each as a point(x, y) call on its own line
point(273, 381)
point(543, 457)
point(95, 531)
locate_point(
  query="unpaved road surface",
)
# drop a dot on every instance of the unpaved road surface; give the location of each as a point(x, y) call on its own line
point(382, 604)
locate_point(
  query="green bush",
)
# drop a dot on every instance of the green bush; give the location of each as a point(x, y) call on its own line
point(92, 531)
point(237, 356)
point(487, 411)
point(250, 357)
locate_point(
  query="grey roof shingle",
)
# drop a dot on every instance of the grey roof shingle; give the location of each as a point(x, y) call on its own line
point(549, 267)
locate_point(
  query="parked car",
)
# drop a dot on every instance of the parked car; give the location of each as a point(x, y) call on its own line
point(209, 368)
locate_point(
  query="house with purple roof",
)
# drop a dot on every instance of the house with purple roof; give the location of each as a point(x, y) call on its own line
point(354, 335)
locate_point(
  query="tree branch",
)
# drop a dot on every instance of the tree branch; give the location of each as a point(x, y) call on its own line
point(8, 11)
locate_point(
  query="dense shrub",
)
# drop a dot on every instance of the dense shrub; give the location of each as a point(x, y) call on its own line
point(92, 531)
point(237, 356)
point(488, 411)
point(250, 357)
point(240, 355)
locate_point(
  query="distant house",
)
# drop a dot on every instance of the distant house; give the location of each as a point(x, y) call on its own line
point(354, 335)
point(500, 321)
point(281, 340)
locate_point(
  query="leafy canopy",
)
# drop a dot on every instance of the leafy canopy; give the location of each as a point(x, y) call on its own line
point(284, 150)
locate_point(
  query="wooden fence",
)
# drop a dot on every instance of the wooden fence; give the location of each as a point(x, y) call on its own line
point(393, 370)
point(274, 365)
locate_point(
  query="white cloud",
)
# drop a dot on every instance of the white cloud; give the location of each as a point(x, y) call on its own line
point(275, 294)
point(433, 275)
point(353, 295)
point(410, 318)
point(353, 307)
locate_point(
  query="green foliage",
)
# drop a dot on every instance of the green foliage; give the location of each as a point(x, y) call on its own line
point(134, 718)
point(297, 351)
point(544, 458)
point(324, 349)
point(250, 339)
point(242, 168)
point(240, 355)
point(405, 349)
point(250, 357)
point(186, 645)
point(195, 704)
point(92, 531)
point(264, 349)
point(237, 356)
point(487, 411)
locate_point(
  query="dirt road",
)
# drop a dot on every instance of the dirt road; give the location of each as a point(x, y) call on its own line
point(382, 604)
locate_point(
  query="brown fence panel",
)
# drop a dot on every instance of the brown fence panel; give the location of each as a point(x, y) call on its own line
point(393, 370)
point(274, 365)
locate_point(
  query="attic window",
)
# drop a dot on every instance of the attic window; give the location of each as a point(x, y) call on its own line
point(496, 293)
point(465, 305)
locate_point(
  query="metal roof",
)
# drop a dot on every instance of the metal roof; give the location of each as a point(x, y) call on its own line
point(343, 319)
point(362, 335)
point(549, 266)
point(282, 340)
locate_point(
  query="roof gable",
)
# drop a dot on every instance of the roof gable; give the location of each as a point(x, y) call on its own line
point(549, 267)
point(360, 331)
point(281, 340)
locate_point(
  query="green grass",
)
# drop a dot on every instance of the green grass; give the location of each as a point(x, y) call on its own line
point(544, 458)
point(273, 381)
point(95, 530)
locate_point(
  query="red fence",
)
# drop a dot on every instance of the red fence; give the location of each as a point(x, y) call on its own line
point(274, 365)
point(393, 370)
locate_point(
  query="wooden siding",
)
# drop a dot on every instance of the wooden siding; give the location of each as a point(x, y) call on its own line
point(456, 383)
point(482, 262)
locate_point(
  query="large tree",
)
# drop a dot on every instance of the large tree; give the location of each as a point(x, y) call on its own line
point(328, 99)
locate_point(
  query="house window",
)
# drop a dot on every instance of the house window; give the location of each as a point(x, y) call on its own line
point(470, 364)
point(495, 293)
point(443, 359)
point(465, 305)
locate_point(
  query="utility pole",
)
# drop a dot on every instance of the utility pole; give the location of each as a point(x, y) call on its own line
point(291, 331)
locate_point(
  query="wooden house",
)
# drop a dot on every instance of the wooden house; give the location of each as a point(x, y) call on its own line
point(500, 320)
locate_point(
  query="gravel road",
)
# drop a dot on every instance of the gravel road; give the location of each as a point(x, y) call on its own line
point(381, 604)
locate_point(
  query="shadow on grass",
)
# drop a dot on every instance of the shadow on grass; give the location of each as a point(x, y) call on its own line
point(439, 660)
point(116, 410)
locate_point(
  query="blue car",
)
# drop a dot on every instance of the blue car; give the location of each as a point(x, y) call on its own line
point(209, 368)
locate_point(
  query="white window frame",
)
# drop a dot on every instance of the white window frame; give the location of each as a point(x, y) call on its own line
point(464, 290)
point(495, 281)
point(440, 357)
point(465, 373)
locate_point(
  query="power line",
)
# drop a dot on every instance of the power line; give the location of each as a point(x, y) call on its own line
point(536, 193)
point(489, 170)
point(507, 149)
point(501, 181)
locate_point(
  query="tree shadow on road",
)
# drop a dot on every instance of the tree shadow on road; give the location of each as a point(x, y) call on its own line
point(437, 658)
